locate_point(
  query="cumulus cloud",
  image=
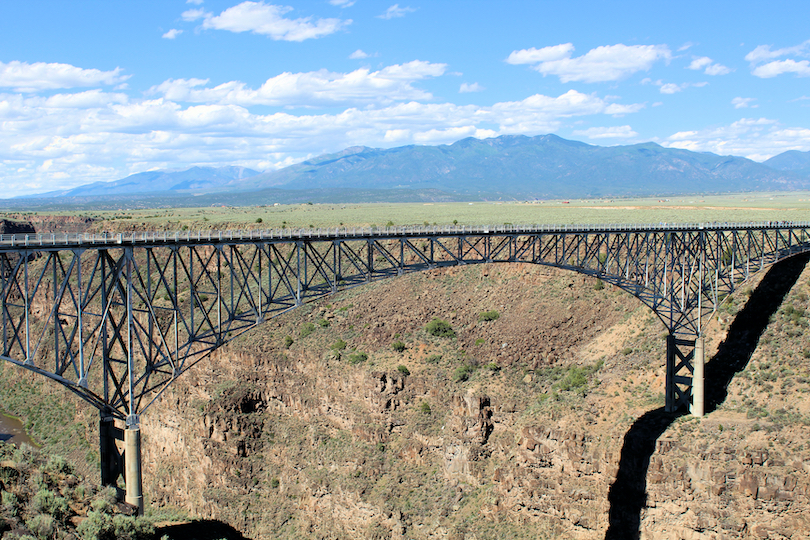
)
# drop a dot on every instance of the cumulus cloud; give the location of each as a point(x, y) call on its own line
point(764, 66)
point(387, 85)
point(743, 103)
point(342, 3)
point(171, 34)
point(708, 66)
point(395, 11)
point(672, 88)
point(605, 63)
point(754, 138)
point(358, 55)
point(763, 53)
point(616, 132)
point(195, 2)
point(467, 88)
point(25, 77)
point(267, 20)
point(780, 67)
point(194, 14)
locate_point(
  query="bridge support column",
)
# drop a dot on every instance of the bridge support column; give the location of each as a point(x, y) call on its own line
point(132, 467)
point(680, 354)
point(698, 380)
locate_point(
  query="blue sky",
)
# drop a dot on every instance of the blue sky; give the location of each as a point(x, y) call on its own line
point(97, 90)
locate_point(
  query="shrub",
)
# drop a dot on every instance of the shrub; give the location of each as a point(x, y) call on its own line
point(434, 359)
point(288, 341)
point(57, 465)
point(398, 346)
point(404, 370)
point(132, 528)
point(96, 526)
point(258, 220)
point(339, 345)
point(480, 341)
point(274, 483)
point(440, 328)
point(424, 408)
point(307, 329)
point(47, 502)
point(488, 316)
point(462, 373)
point(626, 351)
point(599, 285)
point(492, 366)
point(323, 323)
point(42, 526)
point(357, 358)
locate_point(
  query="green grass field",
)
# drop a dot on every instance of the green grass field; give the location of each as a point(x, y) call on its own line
point(774, 206)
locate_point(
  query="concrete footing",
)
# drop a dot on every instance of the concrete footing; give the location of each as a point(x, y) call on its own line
point(132, 468)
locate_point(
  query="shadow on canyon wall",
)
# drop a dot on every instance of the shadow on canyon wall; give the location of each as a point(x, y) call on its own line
point(199, 530)
point(628, 493)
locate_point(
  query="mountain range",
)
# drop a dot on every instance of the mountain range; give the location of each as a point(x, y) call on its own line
point(509, 166)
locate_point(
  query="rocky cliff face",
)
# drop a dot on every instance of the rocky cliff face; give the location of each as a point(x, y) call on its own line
point(515, 428)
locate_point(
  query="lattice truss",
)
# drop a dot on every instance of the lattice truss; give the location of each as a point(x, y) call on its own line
point(116, 324)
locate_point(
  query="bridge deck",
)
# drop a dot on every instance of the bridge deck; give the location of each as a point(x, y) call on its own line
point(15, 242)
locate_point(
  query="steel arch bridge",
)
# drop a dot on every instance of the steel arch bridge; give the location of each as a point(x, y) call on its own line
point(117, 317)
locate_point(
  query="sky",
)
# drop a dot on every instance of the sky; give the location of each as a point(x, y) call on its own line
point(98, 90)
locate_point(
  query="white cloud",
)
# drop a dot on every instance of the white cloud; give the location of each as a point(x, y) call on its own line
point(395, 11)
point(779, 67)
point(342, 3)
point(171, 34)
point(474, 87)
point(195, 2)
point(743, 103)
point(708, 66)
point(25, 77)
point(358, 55)
point(616, 132)
point(536, 56)
point(763, 53)
point(387, 85)
point(773, 68)
point(268, 20)
point(672, 88)
point(605, 63)
point(194, 14)
point(754, 138)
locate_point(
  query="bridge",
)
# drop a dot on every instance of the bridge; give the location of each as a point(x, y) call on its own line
point(115, 318)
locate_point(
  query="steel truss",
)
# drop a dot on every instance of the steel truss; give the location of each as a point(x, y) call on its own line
point(116, 319)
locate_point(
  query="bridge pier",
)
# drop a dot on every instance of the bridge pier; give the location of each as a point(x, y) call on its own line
point(116, 464)
point(132, 467)
point(685, 384)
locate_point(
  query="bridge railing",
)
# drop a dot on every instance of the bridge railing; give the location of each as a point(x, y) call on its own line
point(17, 241)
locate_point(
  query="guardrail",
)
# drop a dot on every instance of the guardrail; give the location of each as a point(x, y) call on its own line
point(326, 233)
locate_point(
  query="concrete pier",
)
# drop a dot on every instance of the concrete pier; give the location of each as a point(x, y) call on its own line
point(132, 468)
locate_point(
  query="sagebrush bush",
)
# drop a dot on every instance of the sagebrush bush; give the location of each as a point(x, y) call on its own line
point(440, 328)
point(491, 315)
